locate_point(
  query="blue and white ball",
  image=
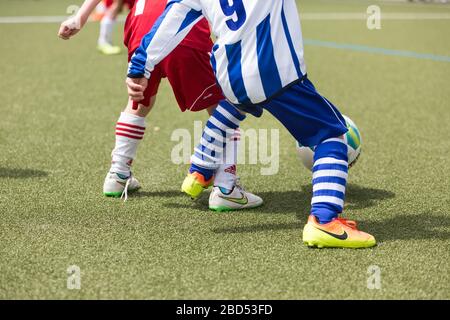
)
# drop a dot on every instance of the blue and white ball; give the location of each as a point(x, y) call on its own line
point(352, 138)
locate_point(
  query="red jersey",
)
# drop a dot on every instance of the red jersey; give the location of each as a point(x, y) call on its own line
point(143, 16)
point(129, 3)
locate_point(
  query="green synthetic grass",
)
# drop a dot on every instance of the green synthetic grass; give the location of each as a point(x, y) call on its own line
point(59, 102)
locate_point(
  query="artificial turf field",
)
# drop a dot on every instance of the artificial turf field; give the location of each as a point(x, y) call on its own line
point(59, 102)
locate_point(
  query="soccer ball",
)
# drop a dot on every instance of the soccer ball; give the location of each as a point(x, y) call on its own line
point(352, 138)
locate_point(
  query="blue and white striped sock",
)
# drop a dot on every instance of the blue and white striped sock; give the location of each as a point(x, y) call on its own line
point(330, 172)
point(208, 155)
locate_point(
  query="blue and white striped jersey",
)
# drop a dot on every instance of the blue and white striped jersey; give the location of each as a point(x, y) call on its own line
point(258, 52)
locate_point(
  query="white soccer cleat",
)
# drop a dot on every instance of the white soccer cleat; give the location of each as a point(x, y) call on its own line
point(238, 199)
point(117, 185)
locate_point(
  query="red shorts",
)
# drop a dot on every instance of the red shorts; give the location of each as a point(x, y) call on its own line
point(187, 68)
point(191, 77)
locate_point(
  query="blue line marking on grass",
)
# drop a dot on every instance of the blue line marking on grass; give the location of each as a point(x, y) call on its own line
point(384, 51)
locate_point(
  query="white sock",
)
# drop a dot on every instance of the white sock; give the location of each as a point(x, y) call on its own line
point(226, 174)
point(106, 30)
point(130, 130)
point(100, 8)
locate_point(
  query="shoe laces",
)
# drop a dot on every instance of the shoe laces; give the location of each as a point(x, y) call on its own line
point(125, 190)
point(237, 184)
point(349, 223)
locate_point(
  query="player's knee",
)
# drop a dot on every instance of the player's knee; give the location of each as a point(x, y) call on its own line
point(211, 109)
point(141, 110)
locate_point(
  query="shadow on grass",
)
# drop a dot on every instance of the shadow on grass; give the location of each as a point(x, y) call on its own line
point(298, 202)
point(261, 227)
point(359, 197)
point(16, 173)
point(401, 227)
point(410, 227)
point(159, 194)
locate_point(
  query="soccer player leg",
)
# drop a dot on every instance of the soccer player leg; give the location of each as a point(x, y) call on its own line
point(225, 178)
point(228, 193)
point(330, 170)
point(104, 44)
point(130, 129)
point(208, 155)
point(324, 227)
point(315, 122)
point(201, 94)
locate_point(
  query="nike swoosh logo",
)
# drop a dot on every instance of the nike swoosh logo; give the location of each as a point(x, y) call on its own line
point(343, 236)
point(243, 200)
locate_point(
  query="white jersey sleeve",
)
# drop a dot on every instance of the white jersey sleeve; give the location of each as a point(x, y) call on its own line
point(258, 51)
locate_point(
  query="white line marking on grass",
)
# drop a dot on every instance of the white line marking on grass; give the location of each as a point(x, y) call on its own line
point(312, 42)
point(304, 16)
point(38, 19)
point(377, 50)
point(32, 19)
point(364, 16)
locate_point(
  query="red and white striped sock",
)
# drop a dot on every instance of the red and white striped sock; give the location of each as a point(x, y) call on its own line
point(130, 130)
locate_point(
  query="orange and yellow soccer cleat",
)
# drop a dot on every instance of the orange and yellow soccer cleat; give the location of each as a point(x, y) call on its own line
point(339, 233)
point(195, 183)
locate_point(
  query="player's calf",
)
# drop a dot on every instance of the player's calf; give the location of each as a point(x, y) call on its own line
point(130, 130)
point(324, 227)
point(208, 155)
